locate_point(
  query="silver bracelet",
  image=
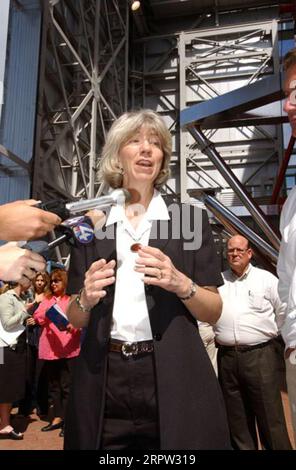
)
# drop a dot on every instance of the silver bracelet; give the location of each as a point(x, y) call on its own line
point(193, 289)
point(80, 305)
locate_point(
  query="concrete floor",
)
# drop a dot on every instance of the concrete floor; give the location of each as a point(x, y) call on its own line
point(34, 439)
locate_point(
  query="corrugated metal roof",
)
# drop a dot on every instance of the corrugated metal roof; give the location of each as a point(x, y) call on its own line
point(20, 94)
point(4, 12)
point(13, 188)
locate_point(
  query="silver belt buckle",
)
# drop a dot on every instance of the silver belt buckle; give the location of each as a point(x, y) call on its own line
point(129, 349)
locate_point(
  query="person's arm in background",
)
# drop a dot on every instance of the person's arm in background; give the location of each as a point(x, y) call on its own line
point(286, 269)
point(288, 328)
point(20, 220)
point(278, 306)
point(19, 265)
point(10, 317)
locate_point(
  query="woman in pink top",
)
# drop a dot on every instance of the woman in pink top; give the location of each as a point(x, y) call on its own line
point(57, 347)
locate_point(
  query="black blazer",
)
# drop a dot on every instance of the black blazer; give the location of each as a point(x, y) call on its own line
point(191, 408)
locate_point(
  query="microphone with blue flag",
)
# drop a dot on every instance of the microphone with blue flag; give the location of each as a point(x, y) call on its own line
point(74, 230)
point(78, 229)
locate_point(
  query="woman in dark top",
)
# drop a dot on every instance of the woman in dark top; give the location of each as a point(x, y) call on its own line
point(36, 382)
point(143, 379)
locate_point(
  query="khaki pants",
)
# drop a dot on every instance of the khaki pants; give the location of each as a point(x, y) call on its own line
point(208, 337)
point(291, 384)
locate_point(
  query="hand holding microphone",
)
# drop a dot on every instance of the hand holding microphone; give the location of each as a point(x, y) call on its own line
point(80, 229)
point(23, 220)
point(19, 265)
point(20, 220)
point(77, 229)
point(26, 220)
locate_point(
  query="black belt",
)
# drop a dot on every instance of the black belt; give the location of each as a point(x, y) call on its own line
point(243, 347)
point(131, 349)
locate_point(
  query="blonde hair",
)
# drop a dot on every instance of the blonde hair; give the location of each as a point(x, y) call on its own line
point(289, 59)
point(120, 132)
point(4, 288)
point(45, 277)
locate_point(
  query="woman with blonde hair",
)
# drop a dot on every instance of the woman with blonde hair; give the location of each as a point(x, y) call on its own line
point(37, 383)
point(143, 379)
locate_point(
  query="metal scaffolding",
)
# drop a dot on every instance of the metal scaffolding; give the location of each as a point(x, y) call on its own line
point(176, 71)
point(83, 87)
point(214, 62)
point(98, 60)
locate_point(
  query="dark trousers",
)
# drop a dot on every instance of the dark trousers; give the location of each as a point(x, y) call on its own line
point(36, 384)
point(131, 412)
point(250, 382)
point(59, 373)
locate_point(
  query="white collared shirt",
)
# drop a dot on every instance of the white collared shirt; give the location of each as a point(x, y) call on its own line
point(252, 311)
point(130, 314)
point(286, 268)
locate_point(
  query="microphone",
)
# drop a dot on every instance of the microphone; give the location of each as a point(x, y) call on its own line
point(116, 196)
point(80, 228)
point(74, 230)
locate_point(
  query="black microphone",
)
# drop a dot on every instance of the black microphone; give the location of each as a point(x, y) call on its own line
point(57, 206)
point(74, 230)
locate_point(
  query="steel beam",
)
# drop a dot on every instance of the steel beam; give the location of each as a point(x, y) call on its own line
point(14, 158)
point(89, 90)
point(229, 220)
point(282, 171)
point(209, 149)
point(238, 101)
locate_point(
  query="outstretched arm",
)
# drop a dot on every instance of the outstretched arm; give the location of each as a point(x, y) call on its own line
point(20, 220)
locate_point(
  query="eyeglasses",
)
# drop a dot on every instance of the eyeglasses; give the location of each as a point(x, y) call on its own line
point(55, 281)
point(239, 251)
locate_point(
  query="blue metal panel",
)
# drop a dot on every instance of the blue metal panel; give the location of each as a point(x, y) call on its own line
point(20, 95)
point(4, 15)
point(13, 188)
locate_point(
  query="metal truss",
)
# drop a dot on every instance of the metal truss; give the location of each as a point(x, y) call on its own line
point(83, 87)
point(177, 71)
point(212, 62)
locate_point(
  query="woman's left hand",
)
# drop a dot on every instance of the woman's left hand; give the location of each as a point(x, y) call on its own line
point(159, 270)
point(70, 328)
point(30, 321)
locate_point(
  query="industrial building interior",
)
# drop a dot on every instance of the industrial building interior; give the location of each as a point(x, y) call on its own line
point(211, 68)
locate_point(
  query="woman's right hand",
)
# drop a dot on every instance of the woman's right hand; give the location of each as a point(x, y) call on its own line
point(100, 275)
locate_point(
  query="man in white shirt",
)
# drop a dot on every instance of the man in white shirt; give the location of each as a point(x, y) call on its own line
point(286, 267)
point(246, 336)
